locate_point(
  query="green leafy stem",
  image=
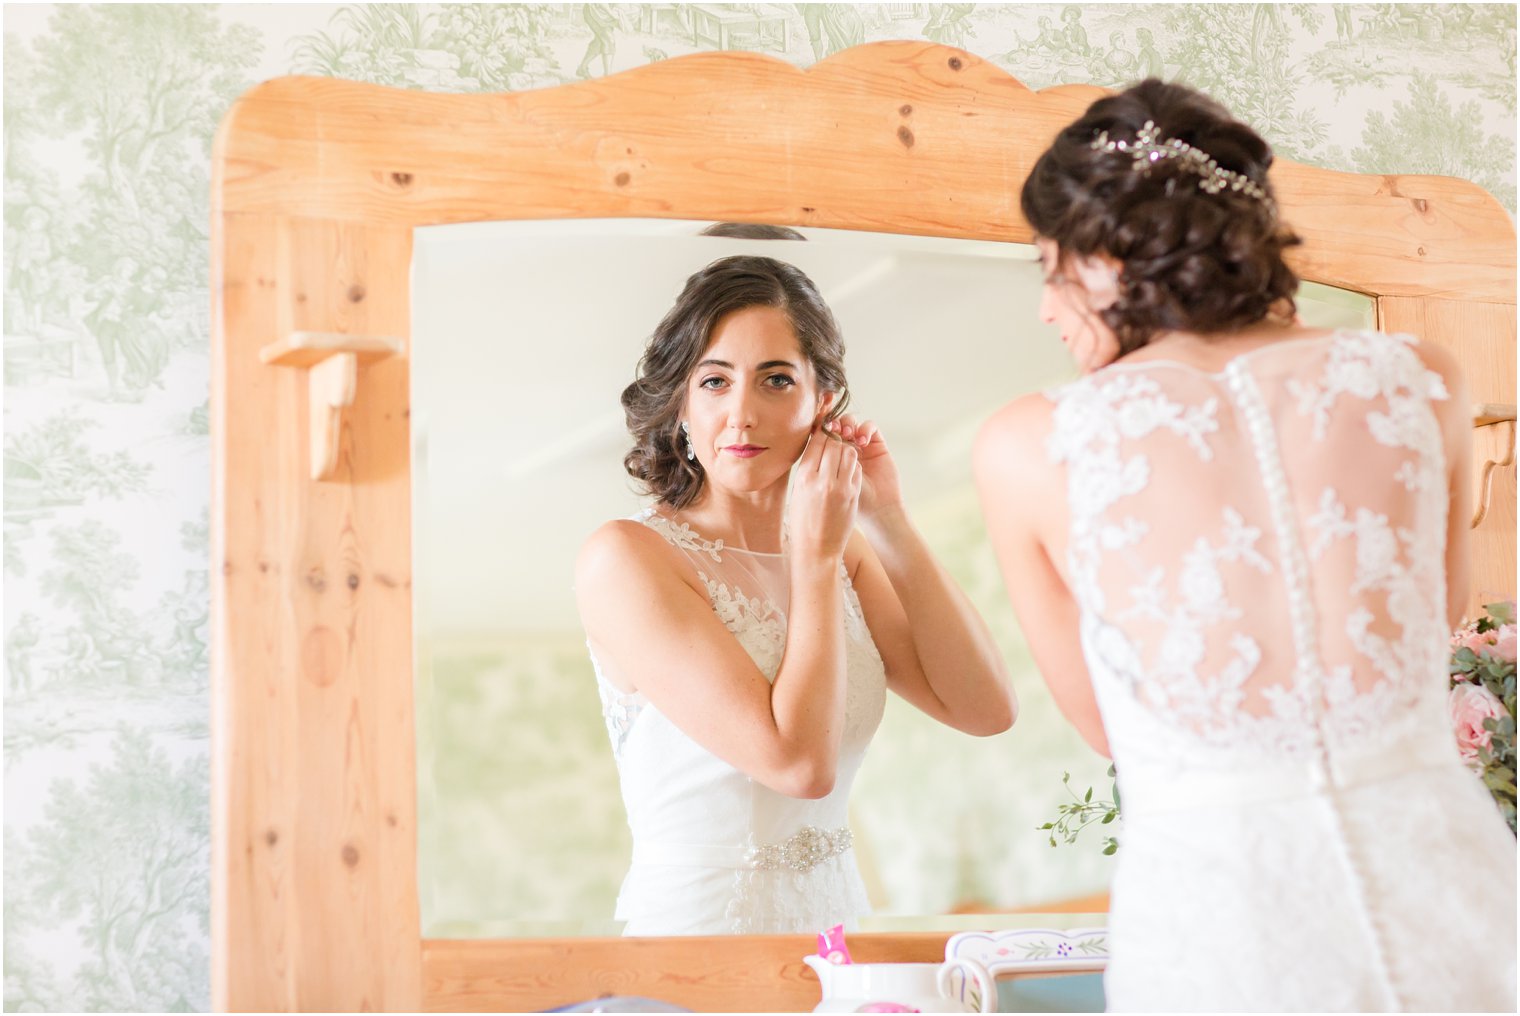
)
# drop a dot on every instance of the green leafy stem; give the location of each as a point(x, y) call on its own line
point(1082, 812)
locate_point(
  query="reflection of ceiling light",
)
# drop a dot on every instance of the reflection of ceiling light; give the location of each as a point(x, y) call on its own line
point(862, 280)
point(569, 443)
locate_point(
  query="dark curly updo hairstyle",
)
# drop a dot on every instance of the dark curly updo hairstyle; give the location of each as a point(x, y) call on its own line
point(1191, 260)
point(654, 402)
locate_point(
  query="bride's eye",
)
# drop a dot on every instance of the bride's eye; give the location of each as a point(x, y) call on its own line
point(780, 381)
point(712, 383)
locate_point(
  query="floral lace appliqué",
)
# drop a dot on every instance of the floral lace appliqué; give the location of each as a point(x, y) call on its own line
point(1157, 629)
point(619, 711)
point(681, 535)
point(758, 625)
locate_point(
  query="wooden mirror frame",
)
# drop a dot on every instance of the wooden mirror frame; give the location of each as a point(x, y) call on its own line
point(316, 187)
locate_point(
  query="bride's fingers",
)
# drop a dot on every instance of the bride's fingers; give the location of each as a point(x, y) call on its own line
point(844, 426)
point(828, 460)
point(812, 455)
point(849, 461)
point(866, 432)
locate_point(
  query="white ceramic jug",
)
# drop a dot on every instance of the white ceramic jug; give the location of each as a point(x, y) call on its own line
point(924, 987)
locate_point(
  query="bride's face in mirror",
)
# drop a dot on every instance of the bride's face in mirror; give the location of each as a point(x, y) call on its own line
point(752, 401)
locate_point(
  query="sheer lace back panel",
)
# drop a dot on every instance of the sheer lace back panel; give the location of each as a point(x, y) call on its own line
point(1259, 553)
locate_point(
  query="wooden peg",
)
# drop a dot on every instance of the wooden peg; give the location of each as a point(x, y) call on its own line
point(1494, 447)
point(332, 361)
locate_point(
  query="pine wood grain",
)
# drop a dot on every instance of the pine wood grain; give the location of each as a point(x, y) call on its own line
point(737, 973)
point(905, 137)
point(254, 793)
point(315, 810)
point(1482, 335)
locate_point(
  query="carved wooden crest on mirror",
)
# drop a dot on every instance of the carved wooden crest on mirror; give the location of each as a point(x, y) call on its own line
point(317, 185)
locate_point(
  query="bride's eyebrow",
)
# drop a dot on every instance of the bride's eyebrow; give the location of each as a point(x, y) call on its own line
point(767, 365)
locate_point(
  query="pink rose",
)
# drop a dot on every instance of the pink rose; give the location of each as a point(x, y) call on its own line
point(1470, 705)
point(1479, 642)
point(1504, 647)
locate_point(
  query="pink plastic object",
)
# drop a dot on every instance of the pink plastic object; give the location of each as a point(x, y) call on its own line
point(832, 948)
point(886, 1007)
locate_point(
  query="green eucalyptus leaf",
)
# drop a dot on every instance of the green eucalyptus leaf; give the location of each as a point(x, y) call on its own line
point(1502, 612)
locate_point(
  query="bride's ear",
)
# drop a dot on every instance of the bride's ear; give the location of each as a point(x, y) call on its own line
point(825, 403)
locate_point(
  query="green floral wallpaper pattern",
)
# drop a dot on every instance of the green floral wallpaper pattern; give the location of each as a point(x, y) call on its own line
point(109, 113)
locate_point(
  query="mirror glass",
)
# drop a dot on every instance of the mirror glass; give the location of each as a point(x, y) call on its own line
point(524, 335)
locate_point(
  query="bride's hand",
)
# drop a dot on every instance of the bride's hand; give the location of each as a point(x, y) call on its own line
point(879, 487)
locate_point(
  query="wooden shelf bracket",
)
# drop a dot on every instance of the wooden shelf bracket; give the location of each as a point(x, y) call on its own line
point(332, 361)
point(1497, 452)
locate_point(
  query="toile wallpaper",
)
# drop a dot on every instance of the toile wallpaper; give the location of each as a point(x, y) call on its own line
point(108, 119)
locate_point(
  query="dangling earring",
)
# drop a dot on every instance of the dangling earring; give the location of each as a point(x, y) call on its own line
point(691, 453)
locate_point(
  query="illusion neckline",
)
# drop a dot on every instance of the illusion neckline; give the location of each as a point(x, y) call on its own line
point(1233, 363)
point(720, 546)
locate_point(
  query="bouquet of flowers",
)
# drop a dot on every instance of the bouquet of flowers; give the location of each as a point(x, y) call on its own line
point(1482, 700)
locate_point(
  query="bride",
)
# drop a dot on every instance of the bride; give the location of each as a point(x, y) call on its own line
point(1254, 533)
point(744, 635)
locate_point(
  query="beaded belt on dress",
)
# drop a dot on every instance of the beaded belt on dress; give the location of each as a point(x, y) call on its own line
point(803, 851)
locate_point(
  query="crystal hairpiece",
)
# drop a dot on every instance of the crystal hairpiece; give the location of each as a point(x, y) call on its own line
point(1148, 149)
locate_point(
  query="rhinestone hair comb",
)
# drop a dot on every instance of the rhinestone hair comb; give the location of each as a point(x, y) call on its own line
point(1148, 149)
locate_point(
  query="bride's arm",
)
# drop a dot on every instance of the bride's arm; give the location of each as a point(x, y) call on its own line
point(647, 623)
point(1024, 496)
point(934, 644)
point(655, 627)
point(937, 650)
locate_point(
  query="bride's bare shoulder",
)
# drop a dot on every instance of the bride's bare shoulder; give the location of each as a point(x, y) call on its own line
point(625, 556)
point(1014, 436)
point(618, 544)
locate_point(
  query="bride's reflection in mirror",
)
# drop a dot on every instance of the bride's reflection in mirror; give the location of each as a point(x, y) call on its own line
point(525, 336)
point(746, 626)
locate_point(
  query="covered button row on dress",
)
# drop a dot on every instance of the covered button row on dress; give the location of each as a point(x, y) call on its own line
point(802, 851)
point(1259, 425)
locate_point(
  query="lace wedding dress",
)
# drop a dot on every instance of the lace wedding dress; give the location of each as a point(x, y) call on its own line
point(1258, 557)
point(715, 852)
